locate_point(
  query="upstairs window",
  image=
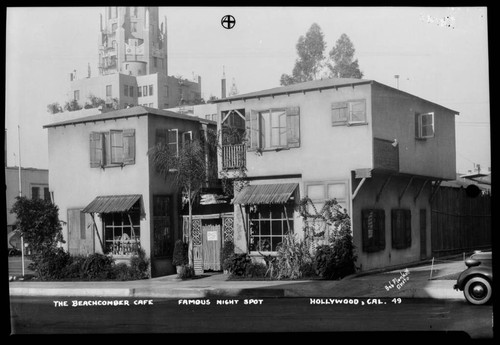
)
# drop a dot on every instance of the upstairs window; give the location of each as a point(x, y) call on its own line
point(273, 128)
point(76, 95)
point(349, 113)
point(168, 137)
point(424, 125)
point(131, 91)
point(113, 148)
point(187, 137)
point(151, 90)
point(125, 90)
point(144, 90)
point(139, 91)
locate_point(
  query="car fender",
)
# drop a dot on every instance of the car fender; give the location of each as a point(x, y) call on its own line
point(478, 271)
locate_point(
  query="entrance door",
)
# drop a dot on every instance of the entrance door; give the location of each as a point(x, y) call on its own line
point(423, 233)
point(80, 233)
point(211, 247)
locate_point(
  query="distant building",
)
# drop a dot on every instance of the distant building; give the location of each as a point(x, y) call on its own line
point(34, 185)
point(133, 64)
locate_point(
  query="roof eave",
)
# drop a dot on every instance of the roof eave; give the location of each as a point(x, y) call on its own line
point(274, 94)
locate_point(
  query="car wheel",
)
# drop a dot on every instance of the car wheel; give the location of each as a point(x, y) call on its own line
point(478, 290)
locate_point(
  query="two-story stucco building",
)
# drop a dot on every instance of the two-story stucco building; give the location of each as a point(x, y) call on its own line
point(379, 151)
point(110, 197)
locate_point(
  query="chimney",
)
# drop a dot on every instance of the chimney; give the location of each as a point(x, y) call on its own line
point(223, 83)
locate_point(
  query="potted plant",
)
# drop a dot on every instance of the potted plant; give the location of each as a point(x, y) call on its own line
point(180, 256)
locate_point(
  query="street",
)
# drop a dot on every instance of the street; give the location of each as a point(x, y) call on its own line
point(70, 315)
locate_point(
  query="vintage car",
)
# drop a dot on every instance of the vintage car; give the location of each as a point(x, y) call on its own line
point(477, 280)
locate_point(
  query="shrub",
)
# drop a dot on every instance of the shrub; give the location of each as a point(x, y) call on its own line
point(180, 256)
point(255, 269)
point(186, 272)
point(139, 265)
point(237, 264)
point(293, 257)
point(51, 263)
point(227, 252)
point(97, 267)
point(122, 272)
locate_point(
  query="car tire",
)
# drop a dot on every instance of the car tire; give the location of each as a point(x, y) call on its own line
point(478, 290)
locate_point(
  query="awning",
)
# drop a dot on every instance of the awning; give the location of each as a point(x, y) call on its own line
point(112, 203)
point(265, 194)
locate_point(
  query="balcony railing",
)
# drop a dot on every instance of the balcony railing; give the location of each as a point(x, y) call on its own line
point(233, 156)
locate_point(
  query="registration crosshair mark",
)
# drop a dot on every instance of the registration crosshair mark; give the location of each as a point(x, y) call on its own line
point(228, 22)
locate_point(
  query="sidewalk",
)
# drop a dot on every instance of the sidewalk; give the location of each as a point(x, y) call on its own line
point(413, 282)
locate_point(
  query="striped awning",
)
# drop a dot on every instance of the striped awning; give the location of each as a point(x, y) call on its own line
point(112, 203)
point(265, 194)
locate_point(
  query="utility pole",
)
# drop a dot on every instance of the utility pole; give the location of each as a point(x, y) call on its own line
point(20, 194)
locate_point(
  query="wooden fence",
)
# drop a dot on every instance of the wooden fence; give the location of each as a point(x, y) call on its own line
point(459, 223)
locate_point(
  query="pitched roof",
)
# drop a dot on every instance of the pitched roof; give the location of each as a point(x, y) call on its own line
point(300, 87)
point(128, 112)
point(316, 85)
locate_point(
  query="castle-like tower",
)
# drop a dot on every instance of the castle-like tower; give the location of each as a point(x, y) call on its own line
point(133, 64)
point(132, 41)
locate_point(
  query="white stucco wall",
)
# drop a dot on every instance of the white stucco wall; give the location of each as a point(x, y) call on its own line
point(75, 184)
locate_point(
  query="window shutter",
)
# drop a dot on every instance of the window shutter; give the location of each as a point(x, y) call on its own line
point(129, 146)
point(293, 126)
point(407, 232)
point(417, 126)
point(339, 113)
point(364, 230)
point(106, 149)
point(252, 127)
point(95, 149)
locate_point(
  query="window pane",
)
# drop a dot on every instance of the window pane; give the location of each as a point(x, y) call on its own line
point(337, 190)
point(277, 227)
point(316, 192)
point(116, 139)
point(35, 193)
point(357, 111)
point(275, 137)
point(277, 212)
point(265, 229)
point(46, 194)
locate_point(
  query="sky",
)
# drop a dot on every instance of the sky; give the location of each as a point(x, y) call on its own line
point(439, 53)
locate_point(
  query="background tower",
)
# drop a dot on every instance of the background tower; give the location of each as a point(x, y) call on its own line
point(132, 41)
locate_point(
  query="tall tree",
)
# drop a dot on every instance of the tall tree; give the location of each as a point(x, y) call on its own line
point(342, 56)
point(185, 168)
point(310, 49)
